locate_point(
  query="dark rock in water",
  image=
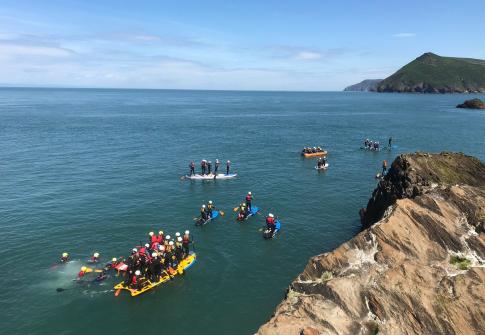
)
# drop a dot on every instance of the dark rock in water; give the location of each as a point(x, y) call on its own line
point(473, 104)
point(364, 86)
point(418, 267)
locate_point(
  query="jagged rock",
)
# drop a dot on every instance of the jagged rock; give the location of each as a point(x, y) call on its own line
point(472, 104)
point(398, 276)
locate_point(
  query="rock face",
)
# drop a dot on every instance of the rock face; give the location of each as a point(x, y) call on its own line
point(364, 86)
point(472, 104)
point(417, 269)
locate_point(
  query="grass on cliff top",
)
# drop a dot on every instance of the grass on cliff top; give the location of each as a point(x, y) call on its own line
point(461, 263)
point(438, 72)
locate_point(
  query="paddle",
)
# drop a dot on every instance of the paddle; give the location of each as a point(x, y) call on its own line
point(117, 292)
point(222, 213)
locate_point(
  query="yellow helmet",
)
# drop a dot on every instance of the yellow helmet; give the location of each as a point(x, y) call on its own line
point(65, 254)
point(114, 259)
point(83, 268)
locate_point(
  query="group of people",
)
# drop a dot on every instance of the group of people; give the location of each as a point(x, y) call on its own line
point(206, 167)
point(375, 145)
point(309, 150)
point(206, 211)
point(245, 207)
point(371, 145)
point(160, 254)
point(322, 162)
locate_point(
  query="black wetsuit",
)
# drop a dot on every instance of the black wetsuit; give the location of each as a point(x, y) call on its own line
point(216, 167)
point(228, 167)
point(209, 168)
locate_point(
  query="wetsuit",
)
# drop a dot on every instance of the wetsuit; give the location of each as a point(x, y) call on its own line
point(192, 168)
point(216, 167)
point(228, 167)
point(185, 244)
point(203, 214)
point(202, 167)
point(209, 168)
point(270, 224)
point(249, 198)
point(390, 142)
point(210, 208)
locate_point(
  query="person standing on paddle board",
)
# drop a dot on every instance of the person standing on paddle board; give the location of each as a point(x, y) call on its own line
point(228, 166)
point(390, 143)
point(202, 166)
point(209, 167)
point(216, 166)
point(192, 168)
point(249, 198)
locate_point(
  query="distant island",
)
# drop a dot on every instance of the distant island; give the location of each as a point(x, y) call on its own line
point(431, 73)
point(364, 86)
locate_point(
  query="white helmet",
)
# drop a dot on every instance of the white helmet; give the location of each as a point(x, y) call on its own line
point(151, 233)
point(177, 234)
point(210, 202)
point(228, 161)
point(96, 254)
point(271, 215)
point(147, 245)
point(249, 193)
point(160, 232)
point(137, 272)
point(203, 206)
point(179, 239)
point(168, 237)
point(187, 232)
point(161, 248)
point(154, 254)
point(217, 161)
point(134, 250)
point(170, 243)
point(65, 254)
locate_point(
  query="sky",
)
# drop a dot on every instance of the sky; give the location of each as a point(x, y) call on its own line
point(228, 45)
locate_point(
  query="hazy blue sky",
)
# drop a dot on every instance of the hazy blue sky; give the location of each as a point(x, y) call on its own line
point(274, 45)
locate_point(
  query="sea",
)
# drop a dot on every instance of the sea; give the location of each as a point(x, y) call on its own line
point(95, 170)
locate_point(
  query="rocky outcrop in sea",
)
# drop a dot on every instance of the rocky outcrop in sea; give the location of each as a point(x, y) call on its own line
point(472, 104)
point(416, 268)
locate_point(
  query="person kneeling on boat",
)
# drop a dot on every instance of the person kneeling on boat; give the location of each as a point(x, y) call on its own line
point(271, 223)
point(136, 280)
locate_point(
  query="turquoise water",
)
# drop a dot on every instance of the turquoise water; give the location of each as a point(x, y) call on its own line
point(96, 170)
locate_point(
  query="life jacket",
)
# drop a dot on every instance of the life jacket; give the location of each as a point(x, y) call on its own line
point(81, 274)
point(270, 221)
point(185, 240)
point(210, 206)
point(160, 238)
point(94, 259)
point(155, 245)
point(134, 280)
point(248, 198)
point(142, 251)
point(154, 239)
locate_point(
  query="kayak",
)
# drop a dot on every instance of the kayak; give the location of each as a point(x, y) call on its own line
point(315, 154)
point(322, 167)
point(252, 212)
point(215, 214)
point(211, 176)
point(184, 265)
point(267, 233)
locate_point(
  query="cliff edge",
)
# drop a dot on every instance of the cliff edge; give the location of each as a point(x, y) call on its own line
point(417, 268)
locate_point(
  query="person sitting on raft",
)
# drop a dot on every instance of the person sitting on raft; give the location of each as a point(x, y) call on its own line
point(271, 223)
point(64, 257)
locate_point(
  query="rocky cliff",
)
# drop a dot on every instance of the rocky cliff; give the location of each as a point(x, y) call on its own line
point(364, 86)
point(418, 267)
